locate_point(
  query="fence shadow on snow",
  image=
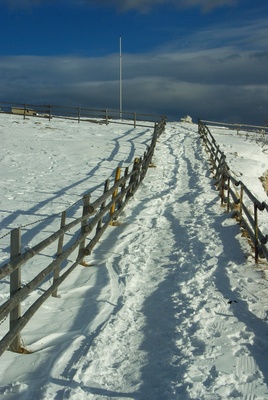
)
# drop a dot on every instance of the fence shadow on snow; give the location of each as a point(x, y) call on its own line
point(79, 235)
point(235, 195)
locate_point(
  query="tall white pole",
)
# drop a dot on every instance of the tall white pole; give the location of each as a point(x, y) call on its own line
point(120, 77)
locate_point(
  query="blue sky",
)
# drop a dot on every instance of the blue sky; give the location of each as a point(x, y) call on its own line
point(205, 58)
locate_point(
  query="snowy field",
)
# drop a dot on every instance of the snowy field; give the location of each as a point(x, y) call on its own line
point(174, 308)
point(247, 156)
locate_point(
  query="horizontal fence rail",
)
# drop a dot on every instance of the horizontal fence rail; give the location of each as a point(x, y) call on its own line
point(238, 127)
point(235, 194)
point(104, 116)
point(80, 235)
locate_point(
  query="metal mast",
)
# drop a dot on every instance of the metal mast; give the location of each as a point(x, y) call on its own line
point(120, 76)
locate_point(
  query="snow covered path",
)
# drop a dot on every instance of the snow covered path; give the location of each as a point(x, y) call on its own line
point(172, 332)
point(181, 312)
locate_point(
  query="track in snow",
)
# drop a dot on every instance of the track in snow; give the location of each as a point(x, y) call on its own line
point(175, 316)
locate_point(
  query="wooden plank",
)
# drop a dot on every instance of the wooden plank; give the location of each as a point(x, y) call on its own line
point(15, 286)
point(117, 177)
point(27, 289)
point(84, 226)
point(9, 267)
point(59, 252)
point(106, 187)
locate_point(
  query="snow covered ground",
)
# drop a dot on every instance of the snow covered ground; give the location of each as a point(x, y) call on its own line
point(174, 307)
point(247, 156)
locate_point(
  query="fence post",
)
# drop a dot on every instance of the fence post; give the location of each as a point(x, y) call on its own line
point(15, 286)
point(256, 241)
point(241, 201)
point(106, 187)
point(135, 120)
point(222, 187)
point(123, 188)
point(106, 117)
point(133, 178)
point(117, 177)
point(59, 252)
point(144, 163)
point(79, 114)
point(217, 152)
point(24, 112)
point(228, 194)
point(83, 229)
point(49, 113)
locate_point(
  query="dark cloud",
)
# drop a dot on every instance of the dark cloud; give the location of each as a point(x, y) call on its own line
point(221, 84)
point(226, 83)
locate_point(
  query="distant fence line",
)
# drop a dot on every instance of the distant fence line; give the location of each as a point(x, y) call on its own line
point(94, 219)
point(104, 116)
point(238, 127)
point(235, 194)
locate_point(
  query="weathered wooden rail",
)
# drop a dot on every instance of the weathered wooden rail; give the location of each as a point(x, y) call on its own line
point(239, 127)
point(79, 114)
point(235, 194)
point(84, 233)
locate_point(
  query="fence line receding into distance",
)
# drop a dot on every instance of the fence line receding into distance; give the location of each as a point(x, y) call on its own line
point(77, 236)
point(104, 116)
point(235, 194)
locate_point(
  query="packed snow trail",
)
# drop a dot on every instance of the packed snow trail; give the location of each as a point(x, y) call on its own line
point(175, 317)
point(175, 306)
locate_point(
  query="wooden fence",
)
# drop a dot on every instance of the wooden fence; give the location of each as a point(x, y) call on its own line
point(79, 114)
point(238, 127)
point(84, 233)
point(235, 194)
